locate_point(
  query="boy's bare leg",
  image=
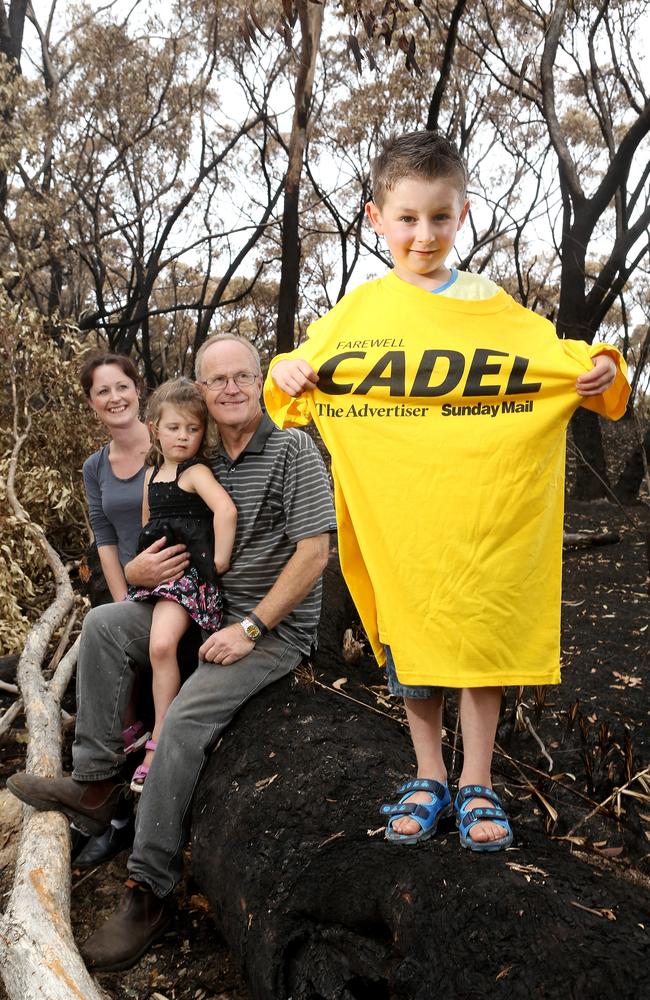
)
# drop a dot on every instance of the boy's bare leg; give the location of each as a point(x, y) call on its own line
point(425, 722)
point(479, 715)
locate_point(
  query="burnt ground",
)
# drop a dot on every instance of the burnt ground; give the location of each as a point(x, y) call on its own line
point(595, 727)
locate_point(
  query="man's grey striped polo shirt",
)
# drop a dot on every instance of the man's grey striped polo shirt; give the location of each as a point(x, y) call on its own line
point(280, 488)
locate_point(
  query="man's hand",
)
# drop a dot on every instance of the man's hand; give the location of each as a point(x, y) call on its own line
point(227, 645)
point(599, 378)
point(159, 563)
point(294, 376)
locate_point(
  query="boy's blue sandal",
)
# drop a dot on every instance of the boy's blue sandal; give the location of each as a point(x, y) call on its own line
point(467, 818)
point(425, 814)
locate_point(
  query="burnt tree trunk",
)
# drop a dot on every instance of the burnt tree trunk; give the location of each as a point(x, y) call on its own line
point(311, 20)
point(630, 479)
point(591, 468)
point(315, 905)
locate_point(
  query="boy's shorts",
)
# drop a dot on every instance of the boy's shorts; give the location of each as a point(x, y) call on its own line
point(403, 690)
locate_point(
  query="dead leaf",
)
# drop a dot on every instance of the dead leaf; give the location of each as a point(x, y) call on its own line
point(526, 869)
point(610, 852)
point(503, 973)
point(198, 902)
point(337, 685)
point(553, 813)
point(352, 648)
point(628, 679)
point(265, 782)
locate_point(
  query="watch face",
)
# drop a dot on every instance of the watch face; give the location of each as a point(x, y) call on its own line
point(251, 629)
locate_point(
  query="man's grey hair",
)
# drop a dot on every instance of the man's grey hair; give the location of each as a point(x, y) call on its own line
point(218, 338)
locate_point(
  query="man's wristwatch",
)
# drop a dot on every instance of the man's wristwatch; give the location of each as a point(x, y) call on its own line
point(253, 626)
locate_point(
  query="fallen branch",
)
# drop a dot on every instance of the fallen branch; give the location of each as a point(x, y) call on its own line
point(62, 646)
point(38, 956)
point(64, 671)
point(586, 538)
point(10, 716)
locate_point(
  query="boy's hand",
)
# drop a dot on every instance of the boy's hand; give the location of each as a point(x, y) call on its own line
point(599, 378)
point(294, 376)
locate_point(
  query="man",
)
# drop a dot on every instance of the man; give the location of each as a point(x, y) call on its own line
point(272, 593)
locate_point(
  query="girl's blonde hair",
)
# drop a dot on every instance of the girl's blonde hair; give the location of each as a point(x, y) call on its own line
point(184, 395)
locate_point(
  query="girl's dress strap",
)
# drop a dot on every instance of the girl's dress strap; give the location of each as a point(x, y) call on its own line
point(188, 463)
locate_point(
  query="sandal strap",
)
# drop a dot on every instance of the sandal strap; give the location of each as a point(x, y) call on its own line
point(424, 785)
point(474, 816)
point(130, 733)
point(141, 772)
point(435, 789)
point(476, 792)
point(413, 809)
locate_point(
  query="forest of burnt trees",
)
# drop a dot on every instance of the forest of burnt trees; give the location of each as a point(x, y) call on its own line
point(172, 171)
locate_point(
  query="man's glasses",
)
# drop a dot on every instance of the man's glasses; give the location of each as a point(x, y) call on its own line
point(219, 382)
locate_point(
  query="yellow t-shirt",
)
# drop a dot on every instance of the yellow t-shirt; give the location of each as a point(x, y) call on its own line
point(445, 420)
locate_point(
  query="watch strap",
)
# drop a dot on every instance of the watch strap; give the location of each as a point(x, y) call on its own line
point(258, 621)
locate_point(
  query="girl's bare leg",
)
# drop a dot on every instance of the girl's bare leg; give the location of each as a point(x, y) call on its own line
point(169, 623)
point(479, 715)
point(425, 722)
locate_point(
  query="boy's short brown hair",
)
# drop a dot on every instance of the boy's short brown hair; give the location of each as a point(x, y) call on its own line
point(425, 154)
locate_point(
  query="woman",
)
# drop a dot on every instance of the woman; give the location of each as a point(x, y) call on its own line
point(114, 475)
point(114, 482)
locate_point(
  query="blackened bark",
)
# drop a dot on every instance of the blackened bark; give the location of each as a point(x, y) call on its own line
point(630, 479)
point(591, 469)
point(435, 104)
point(11, 29)
point(311, 19)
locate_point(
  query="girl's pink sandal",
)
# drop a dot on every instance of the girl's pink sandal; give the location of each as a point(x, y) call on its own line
point(141, 772)
point(134, 737)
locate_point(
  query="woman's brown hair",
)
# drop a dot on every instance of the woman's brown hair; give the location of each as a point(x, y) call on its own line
point(96, 360)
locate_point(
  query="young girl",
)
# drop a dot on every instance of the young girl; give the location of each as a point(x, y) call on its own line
point(183, 502)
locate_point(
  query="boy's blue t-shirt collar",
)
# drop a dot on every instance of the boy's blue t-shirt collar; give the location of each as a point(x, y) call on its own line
point(447, 284)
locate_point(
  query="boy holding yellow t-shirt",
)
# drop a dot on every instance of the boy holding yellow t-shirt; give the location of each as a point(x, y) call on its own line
point(444, 405)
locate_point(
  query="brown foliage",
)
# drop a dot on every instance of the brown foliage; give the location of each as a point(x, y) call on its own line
point(39, 379)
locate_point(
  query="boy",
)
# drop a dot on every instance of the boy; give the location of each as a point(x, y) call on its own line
point(445, 415)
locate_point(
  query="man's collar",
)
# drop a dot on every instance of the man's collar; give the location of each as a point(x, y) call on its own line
point(258, 441)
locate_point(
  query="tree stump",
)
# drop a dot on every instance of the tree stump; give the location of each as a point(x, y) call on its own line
point(288, 847)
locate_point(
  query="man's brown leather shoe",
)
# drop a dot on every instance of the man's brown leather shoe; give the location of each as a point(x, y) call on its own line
point(90, 805)
point(140, 919)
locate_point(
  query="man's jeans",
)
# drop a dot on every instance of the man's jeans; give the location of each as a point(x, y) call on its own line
point(114, 640)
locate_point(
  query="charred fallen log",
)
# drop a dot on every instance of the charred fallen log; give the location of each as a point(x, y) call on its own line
point(315, 905)
point(583, 539)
